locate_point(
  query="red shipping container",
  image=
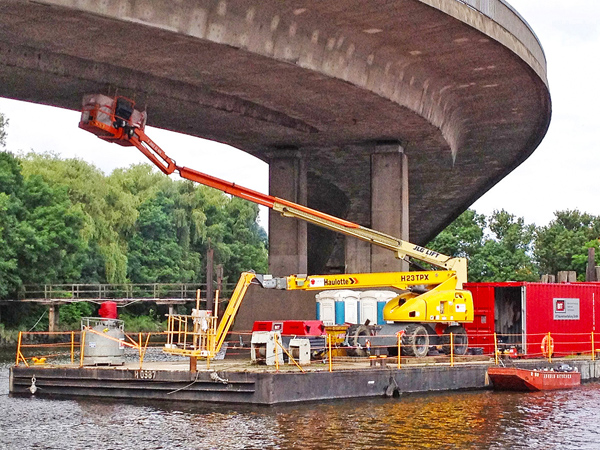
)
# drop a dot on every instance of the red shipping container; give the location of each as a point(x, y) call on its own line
point(522, 314)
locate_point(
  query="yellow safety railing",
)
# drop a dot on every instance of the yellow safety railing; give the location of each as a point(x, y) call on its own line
point(192, 336)
point(195, 335)
point(75, 343)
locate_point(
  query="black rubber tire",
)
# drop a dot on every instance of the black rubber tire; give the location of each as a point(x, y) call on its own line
point(461, 340)
point(415, 341)
point(357, 336)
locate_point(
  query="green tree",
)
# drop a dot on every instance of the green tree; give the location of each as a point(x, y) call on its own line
point(245, 239)
point(563, 244)
point(39, 230)
point(12, 213)
point(3, 126)
point(504, 255)
point(155, 255)
point(464, 238)
point(51, 248)
point(70, 315)
point(507, 255)
point(108, 212)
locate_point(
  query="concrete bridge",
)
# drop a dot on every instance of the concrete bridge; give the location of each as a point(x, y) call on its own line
point(363, 109)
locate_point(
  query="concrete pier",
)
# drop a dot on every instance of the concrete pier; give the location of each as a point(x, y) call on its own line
point(287, 237)
point(389, 203)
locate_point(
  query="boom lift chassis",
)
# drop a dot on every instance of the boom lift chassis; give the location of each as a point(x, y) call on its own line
point(432, 303)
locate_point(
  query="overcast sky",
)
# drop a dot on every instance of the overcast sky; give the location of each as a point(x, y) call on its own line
point(561, 173)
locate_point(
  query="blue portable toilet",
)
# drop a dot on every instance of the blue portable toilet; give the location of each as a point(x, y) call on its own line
point(338, 307)
point(371, 305)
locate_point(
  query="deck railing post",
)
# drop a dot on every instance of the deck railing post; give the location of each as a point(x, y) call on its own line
point(451, 349)
point(72, 347)
point(496, 348)
point(329, 352)
point(18, 348)
point(276, 353)
point(550, 347)
point(82, 348)
point(399, 349)
point(140, 350)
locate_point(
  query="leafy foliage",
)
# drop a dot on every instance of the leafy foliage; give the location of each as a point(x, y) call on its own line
point(139, 323)
point(11, 213)
point(463, 238)
point(503, 255)
point(65, 221)
point(563, 244)
point(506, 256)
point(3, 125)
point(70, 315)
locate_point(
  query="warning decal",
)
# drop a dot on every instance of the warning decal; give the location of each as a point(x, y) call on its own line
point(317, 282)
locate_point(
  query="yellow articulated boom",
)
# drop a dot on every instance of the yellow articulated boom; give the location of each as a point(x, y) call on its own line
point(431, 304)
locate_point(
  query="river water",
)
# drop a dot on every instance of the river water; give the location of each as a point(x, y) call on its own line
point(458, 420)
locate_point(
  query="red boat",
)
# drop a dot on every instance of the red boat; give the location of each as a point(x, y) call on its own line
point(515, 379)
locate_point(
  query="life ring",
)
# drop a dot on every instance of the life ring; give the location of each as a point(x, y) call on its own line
point(547, 346)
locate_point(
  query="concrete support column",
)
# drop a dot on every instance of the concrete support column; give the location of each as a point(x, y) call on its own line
point(287, 236)
point(358, 256)
point(389, 203)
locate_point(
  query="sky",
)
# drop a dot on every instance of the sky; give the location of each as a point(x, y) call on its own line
point(561, 174)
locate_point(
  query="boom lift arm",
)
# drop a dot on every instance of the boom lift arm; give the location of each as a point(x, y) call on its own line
point(116, 120)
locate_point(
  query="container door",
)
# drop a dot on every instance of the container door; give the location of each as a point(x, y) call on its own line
point(509, 321)
point(481, 330)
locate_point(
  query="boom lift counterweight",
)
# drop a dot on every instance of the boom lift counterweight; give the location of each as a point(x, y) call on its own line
point(432, 301)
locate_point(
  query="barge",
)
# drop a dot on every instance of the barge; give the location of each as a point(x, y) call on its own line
point(239, 382)
point(519, 379)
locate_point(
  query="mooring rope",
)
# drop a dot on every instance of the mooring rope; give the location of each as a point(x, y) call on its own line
point(185, 387)
point(43, 314)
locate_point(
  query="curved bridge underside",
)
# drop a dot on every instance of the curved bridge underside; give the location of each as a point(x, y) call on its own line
point(460, 85)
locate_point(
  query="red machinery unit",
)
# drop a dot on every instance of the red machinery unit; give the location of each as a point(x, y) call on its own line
point(522, 314)
point(291, 327)
point(108, 310)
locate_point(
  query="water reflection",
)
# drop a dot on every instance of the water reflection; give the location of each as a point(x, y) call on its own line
point(490, 420)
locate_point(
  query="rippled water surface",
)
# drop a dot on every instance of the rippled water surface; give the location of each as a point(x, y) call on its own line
point(472, 420)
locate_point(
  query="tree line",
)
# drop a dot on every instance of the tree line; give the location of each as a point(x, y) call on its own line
point(64, 221)
point(502, 247)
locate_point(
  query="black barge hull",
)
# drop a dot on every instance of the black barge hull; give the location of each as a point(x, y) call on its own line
point(252, 387)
